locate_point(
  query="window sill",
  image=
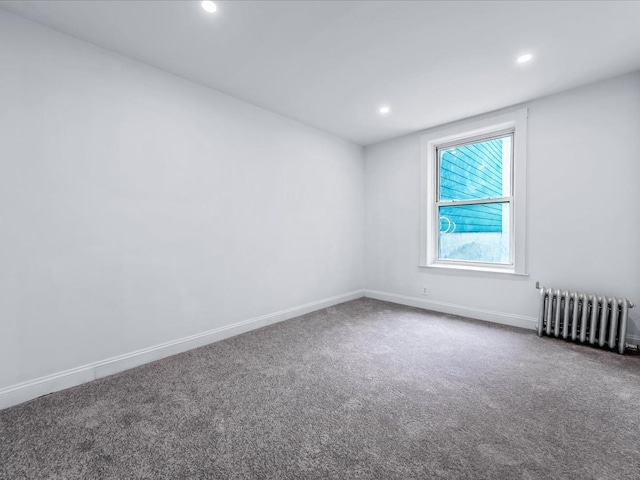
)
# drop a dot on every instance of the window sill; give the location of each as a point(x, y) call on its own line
point(473, 268)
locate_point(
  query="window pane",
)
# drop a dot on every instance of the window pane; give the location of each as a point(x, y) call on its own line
point(476, 171)
point(476, 233)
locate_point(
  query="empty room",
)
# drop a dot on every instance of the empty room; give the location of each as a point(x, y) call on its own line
point(300, 240)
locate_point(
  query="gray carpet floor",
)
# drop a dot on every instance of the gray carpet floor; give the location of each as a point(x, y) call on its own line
point(362, 390)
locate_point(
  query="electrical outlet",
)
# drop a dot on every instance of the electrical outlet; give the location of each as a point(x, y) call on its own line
point(424, 289)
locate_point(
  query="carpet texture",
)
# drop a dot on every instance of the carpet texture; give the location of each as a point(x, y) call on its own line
point(362, 390)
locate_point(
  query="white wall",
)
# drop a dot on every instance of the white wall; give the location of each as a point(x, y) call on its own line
point(138, 208)
point(583, 226)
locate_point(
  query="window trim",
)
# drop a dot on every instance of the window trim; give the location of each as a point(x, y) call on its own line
point(460, 133)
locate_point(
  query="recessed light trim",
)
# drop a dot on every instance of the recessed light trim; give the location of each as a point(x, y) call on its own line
point(208, 6)
point(384, 110)
point(524, 58)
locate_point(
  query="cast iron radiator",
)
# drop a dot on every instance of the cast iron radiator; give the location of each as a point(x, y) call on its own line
point(596, 319)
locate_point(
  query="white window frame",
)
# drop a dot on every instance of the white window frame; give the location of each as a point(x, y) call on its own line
point(516, 122)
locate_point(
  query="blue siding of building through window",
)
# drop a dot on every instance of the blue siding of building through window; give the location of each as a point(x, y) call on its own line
point(472, 172)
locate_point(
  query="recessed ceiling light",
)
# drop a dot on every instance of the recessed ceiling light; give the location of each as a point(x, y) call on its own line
point(209, 6)
point(525, 58)
point(384, 109)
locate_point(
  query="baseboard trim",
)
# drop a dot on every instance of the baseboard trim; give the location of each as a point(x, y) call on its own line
point(502, 318)
point(22, 392)
point(633, 339)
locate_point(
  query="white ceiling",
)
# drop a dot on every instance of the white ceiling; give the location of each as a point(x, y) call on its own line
point(332, 64)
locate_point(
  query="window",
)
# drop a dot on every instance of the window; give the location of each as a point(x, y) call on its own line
point(473, 186)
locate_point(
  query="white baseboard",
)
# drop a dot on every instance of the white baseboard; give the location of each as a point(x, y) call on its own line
point(633, 339)
point(512, 319)
point(29, 390)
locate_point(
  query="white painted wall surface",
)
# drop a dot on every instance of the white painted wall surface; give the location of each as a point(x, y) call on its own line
point(138, 208)
point(583, 210)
